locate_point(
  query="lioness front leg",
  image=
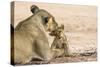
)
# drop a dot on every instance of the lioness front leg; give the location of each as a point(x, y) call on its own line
point(43, 49)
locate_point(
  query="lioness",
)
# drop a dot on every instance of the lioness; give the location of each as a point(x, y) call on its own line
point(60, 41)
point(30, 41)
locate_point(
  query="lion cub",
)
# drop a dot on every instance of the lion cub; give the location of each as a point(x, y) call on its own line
point(60, 41)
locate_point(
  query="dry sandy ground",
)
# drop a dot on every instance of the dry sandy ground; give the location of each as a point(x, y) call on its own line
point(80, 26)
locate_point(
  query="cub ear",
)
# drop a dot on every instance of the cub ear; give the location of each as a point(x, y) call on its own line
point(34, 9)
point(62, 26)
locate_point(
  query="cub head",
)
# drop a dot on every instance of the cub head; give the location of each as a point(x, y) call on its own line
point(57, 32)
point(46, 18)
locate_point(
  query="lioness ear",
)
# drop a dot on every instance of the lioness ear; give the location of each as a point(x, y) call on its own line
point(34, 9)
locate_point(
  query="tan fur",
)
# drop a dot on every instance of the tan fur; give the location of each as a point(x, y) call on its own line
point(30, 41)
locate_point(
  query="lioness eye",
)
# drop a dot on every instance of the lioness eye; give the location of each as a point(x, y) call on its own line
point(46, 20)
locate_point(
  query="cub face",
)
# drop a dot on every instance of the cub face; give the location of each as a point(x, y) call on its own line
point(57, 32)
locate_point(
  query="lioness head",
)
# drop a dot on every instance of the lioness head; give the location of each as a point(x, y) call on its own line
point(48, 20)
